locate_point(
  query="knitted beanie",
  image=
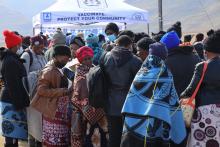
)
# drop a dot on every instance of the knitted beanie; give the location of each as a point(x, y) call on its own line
point(11, 39)
point(61, 50)
point(59, 38)
point(171, 40)
point(158, 49)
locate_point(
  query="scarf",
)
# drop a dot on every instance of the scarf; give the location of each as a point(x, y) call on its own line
point(152, 103)
point(81, 70)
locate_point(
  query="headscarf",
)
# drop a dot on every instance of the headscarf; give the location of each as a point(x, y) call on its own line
point(158, 108)
point(83, 52)
point(92, 42)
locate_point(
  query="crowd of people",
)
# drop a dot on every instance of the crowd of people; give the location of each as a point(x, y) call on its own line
point(118, 89)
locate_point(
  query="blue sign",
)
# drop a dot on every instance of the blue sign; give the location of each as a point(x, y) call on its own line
point(47, 17)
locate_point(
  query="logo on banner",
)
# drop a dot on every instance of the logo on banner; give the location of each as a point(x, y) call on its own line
point(47, 16)
point(138, 17)
point(90, 4)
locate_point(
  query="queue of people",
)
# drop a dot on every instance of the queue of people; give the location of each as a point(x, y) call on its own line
point(46, 98)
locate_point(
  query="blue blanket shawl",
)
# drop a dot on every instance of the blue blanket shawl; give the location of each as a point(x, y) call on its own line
point(151, 108)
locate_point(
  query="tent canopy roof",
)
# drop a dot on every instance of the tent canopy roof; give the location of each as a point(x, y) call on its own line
point(65, 12)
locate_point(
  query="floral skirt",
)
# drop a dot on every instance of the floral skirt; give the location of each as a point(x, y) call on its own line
point(56, 132)
point(205, 127)
point(13, 123)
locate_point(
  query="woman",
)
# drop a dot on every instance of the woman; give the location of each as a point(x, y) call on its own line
point(13, 98)
point(52, 100)
point(34, 63)
point(92, 41)
point(152, 115)
point(89, 127)
point(205, 126)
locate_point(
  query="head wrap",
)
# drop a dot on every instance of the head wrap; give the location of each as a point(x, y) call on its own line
point(83, 52)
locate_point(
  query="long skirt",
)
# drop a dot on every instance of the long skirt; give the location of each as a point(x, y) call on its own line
point(205, 127)
point(56, 132)
point(13, 123)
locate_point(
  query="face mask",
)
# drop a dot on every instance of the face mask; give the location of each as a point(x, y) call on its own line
point(59, 65)
point(112, 37)
point(19, 51)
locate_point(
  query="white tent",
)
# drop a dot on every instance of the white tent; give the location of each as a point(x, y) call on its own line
point(69, 13)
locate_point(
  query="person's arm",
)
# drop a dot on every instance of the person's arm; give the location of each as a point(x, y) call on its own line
point(13, 80)
point(27, 59)
point(188, 92)
point(44, 85)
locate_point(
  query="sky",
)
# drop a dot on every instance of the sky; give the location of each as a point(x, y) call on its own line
point(196, 15)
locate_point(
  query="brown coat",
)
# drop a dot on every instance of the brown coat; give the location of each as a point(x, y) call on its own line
point(48, 91)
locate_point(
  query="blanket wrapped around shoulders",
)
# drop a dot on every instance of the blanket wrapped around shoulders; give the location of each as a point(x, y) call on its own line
point(151, 108)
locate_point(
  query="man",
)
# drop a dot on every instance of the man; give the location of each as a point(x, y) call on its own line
point(112, 31)
point(34, 62)
point(120, 67)
point(143, 47)
point(181, 61)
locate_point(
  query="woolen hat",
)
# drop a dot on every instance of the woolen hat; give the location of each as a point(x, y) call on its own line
point(59, 38)
point(11, 39)
point(158, 49)
point(61, 50)
point(171, 40)
point(92, 38)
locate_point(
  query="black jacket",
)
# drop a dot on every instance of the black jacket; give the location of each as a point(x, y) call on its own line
point(181, 62)
point(12, 71)
point(120, 67)
point(209, 92)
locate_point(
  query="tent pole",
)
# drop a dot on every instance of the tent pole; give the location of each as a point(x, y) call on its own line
point(160, 12)
point(125, 25)
point(148, 28)
point(41, 28)
point(33, 31)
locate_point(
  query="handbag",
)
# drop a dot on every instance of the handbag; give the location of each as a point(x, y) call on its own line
point(188, 104)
